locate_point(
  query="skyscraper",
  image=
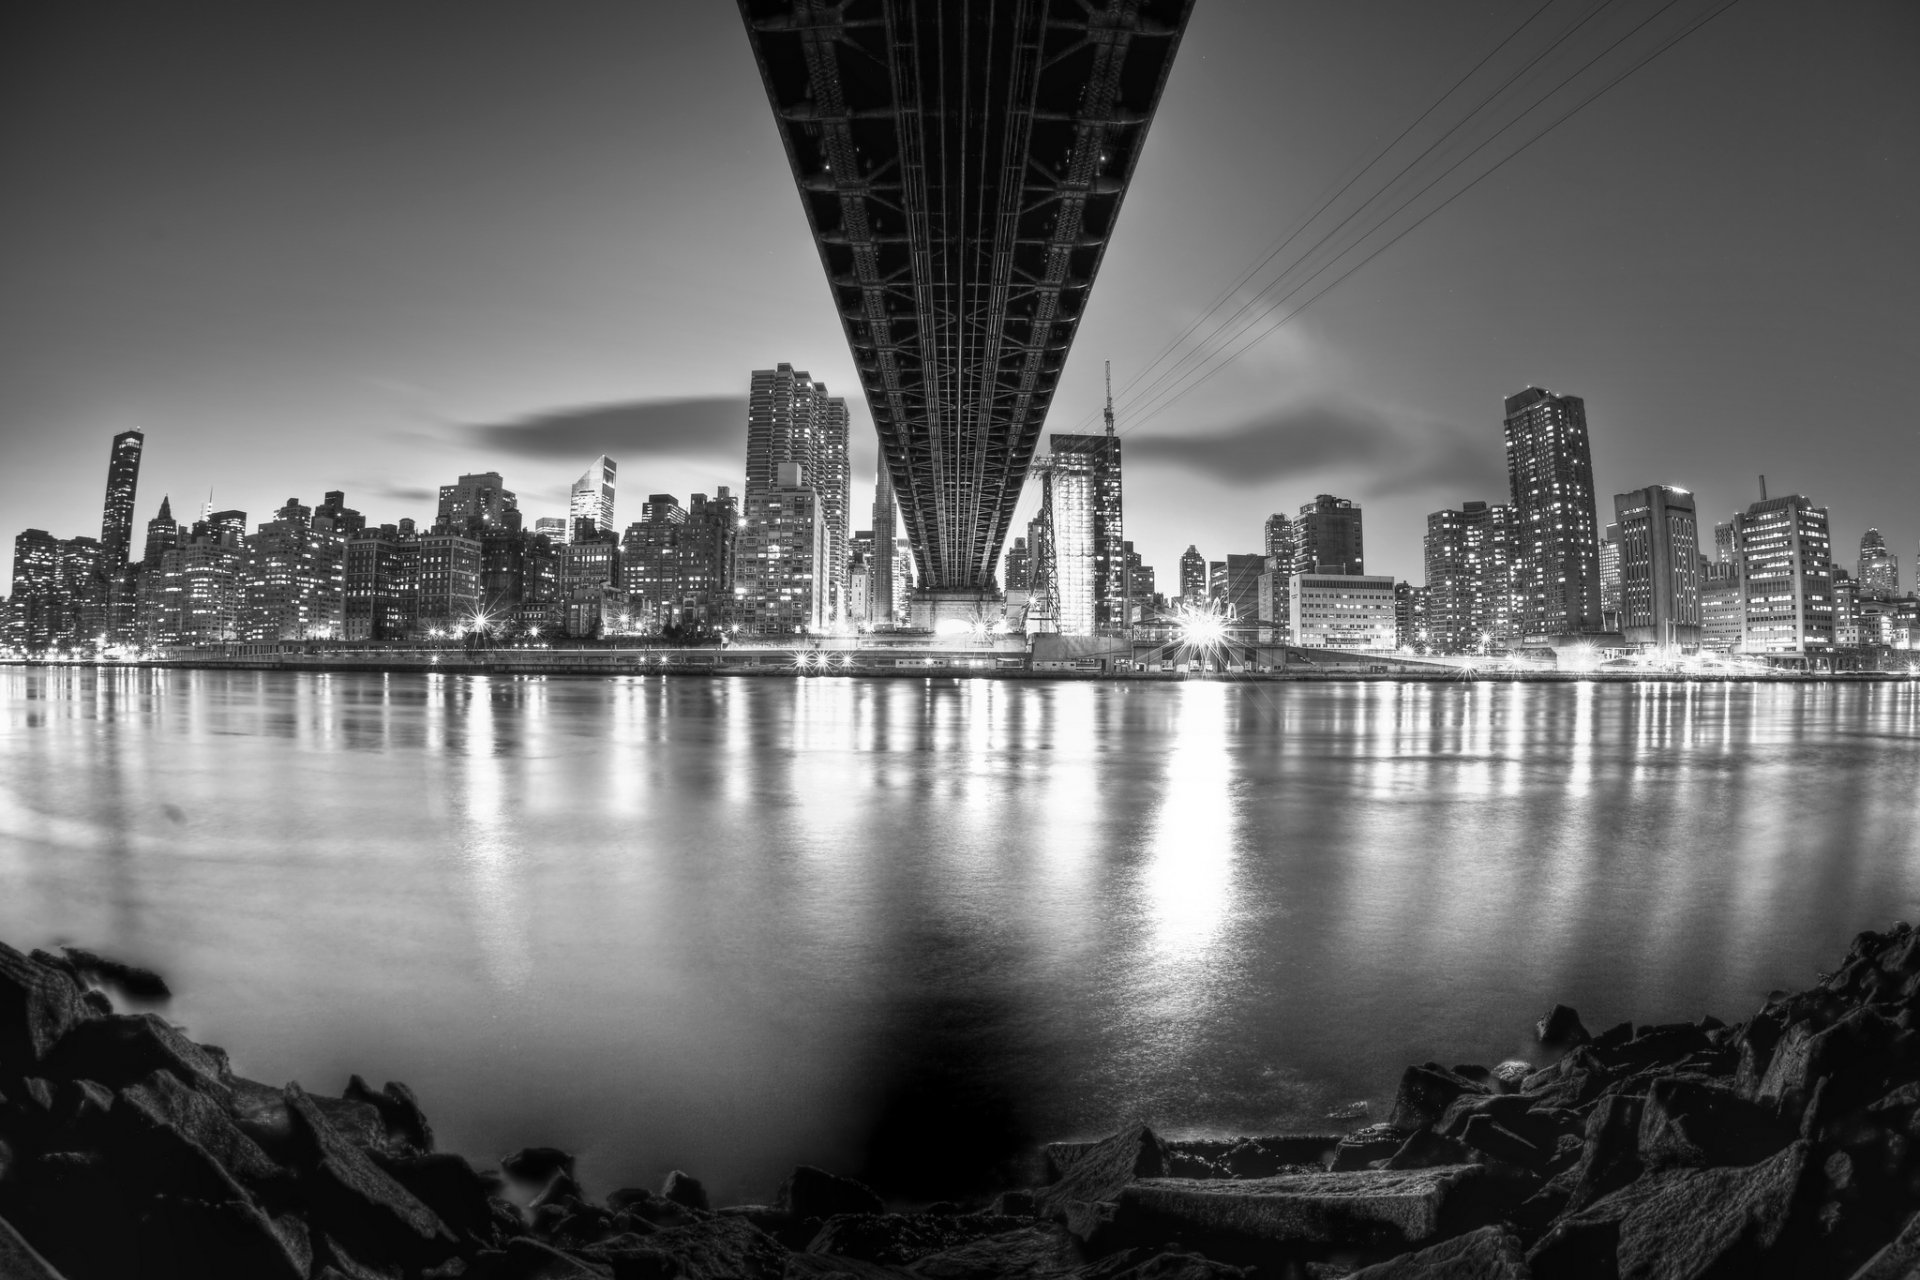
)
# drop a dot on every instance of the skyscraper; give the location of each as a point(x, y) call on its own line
point(1659, 567)
point(783, 558)
point(482, 501)
point(1087, 491)
point(881, 608)
point(1550, 478)
point(1277, 538)
point(1786, 578)
point(591, 499)
point(1076, 578)
point(1878, 568)
point(116, 516)
point(1193, 576)
point(1327, 538)
point(792, 419)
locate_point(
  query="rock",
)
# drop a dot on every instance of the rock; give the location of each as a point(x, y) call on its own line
point(1428, 1150)
point(1899, 1260)
point(1101, 1172)
point(529, 1259)
point(39, 1006)
point(398, 1109)
point(1015, 1204)
point(19, 1260)
point(1509, 1109)
point(1560, 1028)
point(1092, 1224)
point(1610, 1157)
point(1058, 1157)
point(231, 1238)
point(1690, 1222)
point(561, 1191)
point(122, 1049)
point(1031, 1253)
point(1651, 1046)
point(1689, 1124)
point(807, 1266)
point(174, 1141)
point(897, 1239)
point(1497, 1142)
point(141, 984)
point(1575, 1080)
point(1147, 1264)
point(537, 1165)
point(627, 1197)
point(721, 1248)
point(684, 1190)
point(1363, 1146)
point(1510, 1075)
point(461, 1196)
point(1490, 1253)
point(353, 1200)
point(808, 1192)
point(1425, 1093)
point(1372, 1206)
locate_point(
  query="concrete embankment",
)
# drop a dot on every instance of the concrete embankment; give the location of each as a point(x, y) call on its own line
point(1787, 1145)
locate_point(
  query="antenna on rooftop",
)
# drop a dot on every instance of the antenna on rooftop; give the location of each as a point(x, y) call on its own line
point(1109, 397)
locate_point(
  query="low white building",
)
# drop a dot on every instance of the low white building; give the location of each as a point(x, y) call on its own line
point(1342, 611)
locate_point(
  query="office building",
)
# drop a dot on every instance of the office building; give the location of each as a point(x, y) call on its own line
point(1610, 578)
point(482, 501)
point(1550, 480)
point(116, 515)
point(1243, 586)
point(163, 531)
point(1019, 567)
point(1410, 627)
point(1327, 537)
point(883, 608)
point(1878, 568)
point(783, 555)
point(1217, 582)
point(1469, 572)
point(590, 501)
point(554, 527)
point(1343, 611)
point(1077, 576)
point(792, 420)
point(1193, 576)
point(1658, 537)
point(1090, 497)
point(380, 594)
point(1786, 580)
point(1721, 609)
point(1277, 539)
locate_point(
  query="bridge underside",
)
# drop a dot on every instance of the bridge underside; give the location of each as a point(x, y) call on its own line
point(962, 163)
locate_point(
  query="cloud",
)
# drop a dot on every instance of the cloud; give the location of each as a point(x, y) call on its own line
point(405, 492)
point(690, 426)
point(1384, 454)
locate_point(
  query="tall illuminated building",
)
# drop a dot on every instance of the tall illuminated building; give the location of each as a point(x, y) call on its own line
point(116, 515)
point(1658, 543)
point(1193, 576)
point(783, 557)
point(482, 501)
point(1878, 569)
point(1469, 566)
point(1089, 529)
point(1550, 479)
point(590, 501)
point(1328, 537)
point(792, 419)
point(882, 604)
point(1786, 578)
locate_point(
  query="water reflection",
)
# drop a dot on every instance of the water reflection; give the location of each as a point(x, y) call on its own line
point(752, 922)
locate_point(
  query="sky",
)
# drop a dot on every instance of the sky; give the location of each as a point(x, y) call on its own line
point(369, 247)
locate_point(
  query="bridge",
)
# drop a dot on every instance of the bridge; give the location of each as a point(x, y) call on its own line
point(962, 163)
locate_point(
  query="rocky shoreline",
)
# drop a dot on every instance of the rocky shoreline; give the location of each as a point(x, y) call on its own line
point(1787, 1145)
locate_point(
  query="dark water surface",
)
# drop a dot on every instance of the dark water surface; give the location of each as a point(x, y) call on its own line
point(901, 927)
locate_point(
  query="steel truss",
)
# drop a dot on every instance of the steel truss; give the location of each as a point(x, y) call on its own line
point(962, 163)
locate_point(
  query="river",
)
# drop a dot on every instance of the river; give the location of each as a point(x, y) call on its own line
point(904, 928)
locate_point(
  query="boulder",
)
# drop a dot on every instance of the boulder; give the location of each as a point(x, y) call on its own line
point(1425, 1093)
point(897, 1239)
point(529, 1259)
point(536, 1166)
point(808, 1192)
point(1508, 1076)
point(1575, 1080)
point(1362, 1147)
point(1491, 1253)
point(684, 1190)
point(1610, 1156)
point(458, 1194)
point(1899, 1260)
point(19, 1260)
point(218, 1239)
point(39, 1006)
point(141, 984)
point(399, 1111)
point(1428, 1150)
point(123, 1049)
point(1496, 1141)
point(1690, 1124)
point(169, 1139)
point(1560, 1028)
point(1384, 1207)
point(1030, 1253)
point(1684, 1223)
point(1149, 1264)
point(352, 1199)
point(719, 1248)
point(1653, 1046)
point(1101, 1172)
point(1058, 1157)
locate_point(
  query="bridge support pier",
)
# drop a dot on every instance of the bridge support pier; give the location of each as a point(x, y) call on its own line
point(940, 609)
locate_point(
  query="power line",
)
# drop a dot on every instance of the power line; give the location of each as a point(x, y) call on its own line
point(1180, 392)
point(1184, 367)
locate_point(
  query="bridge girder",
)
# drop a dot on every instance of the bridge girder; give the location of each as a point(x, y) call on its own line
point(961, 163)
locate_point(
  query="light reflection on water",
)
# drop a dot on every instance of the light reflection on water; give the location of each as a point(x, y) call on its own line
point(730, 925)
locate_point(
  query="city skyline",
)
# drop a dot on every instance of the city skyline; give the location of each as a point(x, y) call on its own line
point(1388, 391)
